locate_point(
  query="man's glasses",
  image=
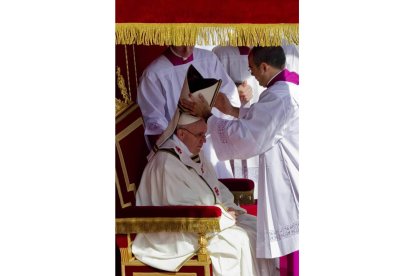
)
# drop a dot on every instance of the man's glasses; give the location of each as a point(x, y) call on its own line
point(200, 135)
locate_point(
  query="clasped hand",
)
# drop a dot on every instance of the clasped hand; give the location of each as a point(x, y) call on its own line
point(245, 92)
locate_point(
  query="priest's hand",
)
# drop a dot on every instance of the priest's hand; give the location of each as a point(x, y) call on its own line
point(223, 104)
point(245, 92)
point(197, 106)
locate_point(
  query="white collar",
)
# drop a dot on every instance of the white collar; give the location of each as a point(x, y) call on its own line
point(182, 145)
point(176, 54)
point(273, 78)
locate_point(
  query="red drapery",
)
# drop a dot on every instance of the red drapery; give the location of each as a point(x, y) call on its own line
point(213, 22)
point(211, 11)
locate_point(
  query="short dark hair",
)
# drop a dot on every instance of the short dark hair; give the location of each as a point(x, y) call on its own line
point(274, 56)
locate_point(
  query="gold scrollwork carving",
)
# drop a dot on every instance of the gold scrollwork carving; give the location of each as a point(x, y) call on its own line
point(121, 104)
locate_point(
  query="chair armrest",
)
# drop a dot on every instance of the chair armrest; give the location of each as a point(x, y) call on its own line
point(238, 184)
point(147, 219)
point(242, 189)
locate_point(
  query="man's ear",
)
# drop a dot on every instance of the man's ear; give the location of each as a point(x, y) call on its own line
point(179, 133)
point(264, 67)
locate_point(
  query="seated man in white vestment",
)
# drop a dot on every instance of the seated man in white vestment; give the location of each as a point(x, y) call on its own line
point(159, 90)
point(177, 174)
point(269, 128)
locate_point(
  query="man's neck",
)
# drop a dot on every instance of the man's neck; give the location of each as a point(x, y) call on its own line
point(175, 58)
point(177, 54)
point(273, 75)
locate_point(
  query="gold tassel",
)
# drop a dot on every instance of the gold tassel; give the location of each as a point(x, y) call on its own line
point(206, 34)
point(146, 225)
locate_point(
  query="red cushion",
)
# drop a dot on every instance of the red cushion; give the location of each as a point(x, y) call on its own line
point(238, 184)
point(250, 208)
point(170, 211)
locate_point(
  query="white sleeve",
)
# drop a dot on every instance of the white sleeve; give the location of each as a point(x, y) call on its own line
point(152, 101)
point(226, 220)
point(250, 135)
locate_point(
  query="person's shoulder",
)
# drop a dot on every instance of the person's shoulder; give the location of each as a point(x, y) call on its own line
point(169, 152)
point(161, 161)
point(225, 50)
point(158, 64)
point(200, 53)
point(205, 57)
point(158, 159)
point(281, 91)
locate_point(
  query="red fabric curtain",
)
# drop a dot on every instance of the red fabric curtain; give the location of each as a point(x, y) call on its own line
point(211, 11)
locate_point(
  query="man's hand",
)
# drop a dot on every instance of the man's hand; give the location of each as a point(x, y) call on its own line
point(197, 107)
point(245, 92)
point(232, 212)
point(223, 104)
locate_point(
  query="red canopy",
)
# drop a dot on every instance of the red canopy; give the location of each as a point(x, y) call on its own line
point(189, 22)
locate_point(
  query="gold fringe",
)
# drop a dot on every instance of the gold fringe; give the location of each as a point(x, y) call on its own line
point(195, 225)
point(206, 34)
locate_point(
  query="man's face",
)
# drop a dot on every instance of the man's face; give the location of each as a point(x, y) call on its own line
point(183, 51)
point(193, 135)
point(256, 71)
